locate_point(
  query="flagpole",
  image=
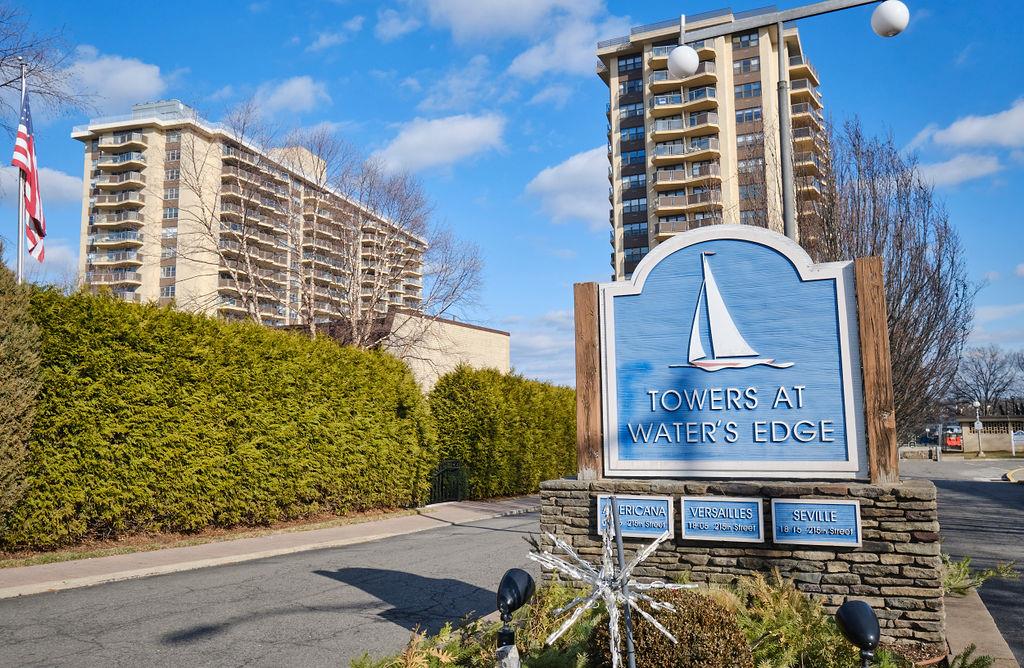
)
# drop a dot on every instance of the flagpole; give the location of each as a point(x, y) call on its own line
point(21, 193)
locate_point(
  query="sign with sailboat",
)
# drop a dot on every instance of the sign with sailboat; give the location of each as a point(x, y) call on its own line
point(730, 353)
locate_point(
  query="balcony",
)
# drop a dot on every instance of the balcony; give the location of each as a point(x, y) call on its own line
point(120, 218)
point(806, 138)
point(676, 204)
point(810, 188)
point(232, 153)
point(661, 81)
point(807, 163)
point(804, 90)
point(131, 159)
point(127, 238)
point(665, 230)
point(697, 99)
point(665, 154)
point(806, 114)
point(120, 199)
point(128, 296)
point(122, 180)
point(676, 128)
point(666, 105)
point(114, 258)
point(123, 140)
point(674, 178)
point(659, 55)
point(801, 68)
point(113, 278)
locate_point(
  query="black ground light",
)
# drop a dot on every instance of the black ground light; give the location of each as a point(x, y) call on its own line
point(515, 590)
point(859, 624)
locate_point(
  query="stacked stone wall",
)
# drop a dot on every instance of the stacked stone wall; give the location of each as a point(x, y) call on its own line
point(897, 568)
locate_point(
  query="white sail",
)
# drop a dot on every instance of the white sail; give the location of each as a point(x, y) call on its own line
point(696, 348)
point(726, 340)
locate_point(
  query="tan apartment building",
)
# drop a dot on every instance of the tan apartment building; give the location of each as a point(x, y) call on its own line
point(704, 150)
point(175, 208)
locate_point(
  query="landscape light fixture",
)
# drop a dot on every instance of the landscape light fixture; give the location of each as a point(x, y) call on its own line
point(514, 591)
point(859, 624)
point(889, 19)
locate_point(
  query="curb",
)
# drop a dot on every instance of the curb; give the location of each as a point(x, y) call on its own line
point(1016, 475)
point(195, 564)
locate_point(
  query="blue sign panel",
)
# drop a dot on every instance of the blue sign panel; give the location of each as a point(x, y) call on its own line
point(816, 522)
point(639, 516)
point(731, 354)
point(721, 518)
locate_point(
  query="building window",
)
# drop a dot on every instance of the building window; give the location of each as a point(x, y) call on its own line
point(638, 205)
point(168, 252)
point(746, 90)
point(635, 230)
point(632, 157)
point(630, 63)
point(169, 233)
point(750, 139)
point(167, 291)
point(171, 175)
point(751, 191)
point(173, 154)
point(746, 65)
point(749, 217)
point(173, 135)
point(170, 193)
point(632, 134)
point(705, 215)
point(634, 86)
point(678, 218)
point(170, 212)
point(634, 181)
point(748, 115)
point(168, 272)
point(745, 40)
point(749, 166)
point(635, 254)
point(629, 110)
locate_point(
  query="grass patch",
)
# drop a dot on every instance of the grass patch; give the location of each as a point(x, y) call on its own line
point(149, 542)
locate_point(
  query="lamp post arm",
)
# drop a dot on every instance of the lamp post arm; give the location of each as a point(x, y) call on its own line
point(771, 18)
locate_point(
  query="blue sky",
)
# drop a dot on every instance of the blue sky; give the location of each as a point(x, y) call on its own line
point(496, 106)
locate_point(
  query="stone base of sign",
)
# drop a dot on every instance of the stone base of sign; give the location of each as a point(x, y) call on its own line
point(896, 569)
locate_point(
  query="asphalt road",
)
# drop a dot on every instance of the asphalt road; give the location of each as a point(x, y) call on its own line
point(319, 608)
point(983, 520)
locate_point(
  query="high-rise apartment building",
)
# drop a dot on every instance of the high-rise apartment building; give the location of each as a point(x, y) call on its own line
point(703, 150)
point(178, 209)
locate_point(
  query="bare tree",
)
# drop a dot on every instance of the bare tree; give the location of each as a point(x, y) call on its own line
point(985, 375)
point(232, 229)
point(876, 204)
point(45, 56)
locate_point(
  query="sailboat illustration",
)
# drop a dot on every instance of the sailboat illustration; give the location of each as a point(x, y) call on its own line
point(729, 350)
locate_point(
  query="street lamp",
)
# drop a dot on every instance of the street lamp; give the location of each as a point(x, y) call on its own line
point(978, 426)
point(890, 18)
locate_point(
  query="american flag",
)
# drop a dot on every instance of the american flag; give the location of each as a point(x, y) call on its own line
point(25, 160)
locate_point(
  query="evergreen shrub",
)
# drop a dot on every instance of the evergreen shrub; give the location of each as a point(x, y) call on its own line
point(511, 433)
point(154, 420)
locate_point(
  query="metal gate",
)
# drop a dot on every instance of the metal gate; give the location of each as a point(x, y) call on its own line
point(450, 482)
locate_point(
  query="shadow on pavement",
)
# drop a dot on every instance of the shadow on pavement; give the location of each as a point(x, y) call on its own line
point(418, 602)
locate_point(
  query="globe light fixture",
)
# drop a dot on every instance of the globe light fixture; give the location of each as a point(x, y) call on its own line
point(683, 62)
point(890, 18)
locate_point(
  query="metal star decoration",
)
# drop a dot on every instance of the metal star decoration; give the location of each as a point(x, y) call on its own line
point(613, 587)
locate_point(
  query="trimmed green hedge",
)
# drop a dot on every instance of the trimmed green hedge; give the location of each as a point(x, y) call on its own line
point(155, 420)
point(510, 432)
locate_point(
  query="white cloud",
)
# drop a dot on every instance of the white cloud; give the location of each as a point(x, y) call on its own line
point(463, 87)
point(114, 82)
point(298, 94)
point(569, 49)
point(222, 93)
point(985, 314)
point(991, 276)
point(576, 189)
point(544, 347)
point(556, 95)
point(477, 19)
point(327, 38)
point(56, 186)
point(423, 143)
point(1004, 128)
point(391, 25)
point(1020, 270)
point(922, 137)
point(960, 168)
point(259, 7)
point(965, 54)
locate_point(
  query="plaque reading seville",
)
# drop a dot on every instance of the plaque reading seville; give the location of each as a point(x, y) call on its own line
point(721, 518)
point(639, 516)
point(731, 354)
point(816, 522)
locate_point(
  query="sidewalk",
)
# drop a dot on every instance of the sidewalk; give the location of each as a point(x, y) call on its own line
point(968, 621)
point(84, 572)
